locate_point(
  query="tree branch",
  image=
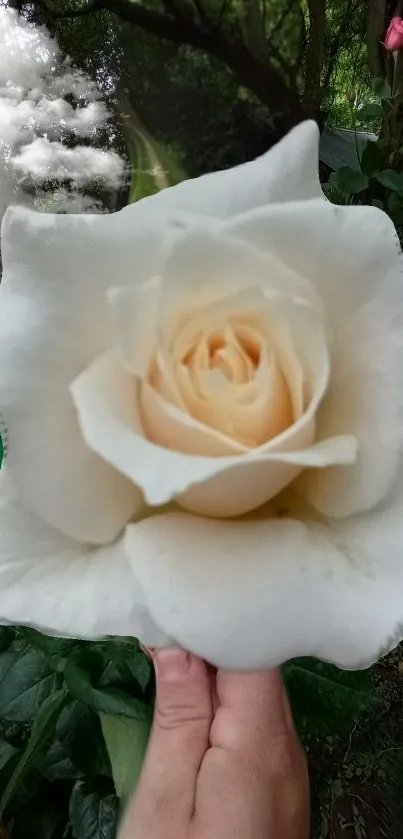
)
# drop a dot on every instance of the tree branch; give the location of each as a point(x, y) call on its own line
point(258, 76)
point(315, 55)
point(376, 14)
point(255, 29)
point(286, 11)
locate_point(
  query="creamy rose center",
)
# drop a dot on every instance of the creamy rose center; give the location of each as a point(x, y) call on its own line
point(228, 378)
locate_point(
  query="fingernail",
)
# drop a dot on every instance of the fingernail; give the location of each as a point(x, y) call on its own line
point(171, 664)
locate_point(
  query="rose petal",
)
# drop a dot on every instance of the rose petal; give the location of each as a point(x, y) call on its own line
point(76, 258)
point(57, 475)
point(288, 172)
point(203, 267)
point(252, 594)
point(353, 258)
point(54, 320)
point(62, 587)
point(107, 403)
point(135, 316)
point(176, 430)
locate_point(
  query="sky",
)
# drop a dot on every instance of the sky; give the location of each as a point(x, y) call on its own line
point(36, 119)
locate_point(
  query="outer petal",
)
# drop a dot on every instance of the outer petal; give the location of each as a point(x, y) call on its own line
point(54, 319)
point(288, 172)
point(353, 258)
point(253, 594)
point(135, 317)
point(204, 267)
point(61, 587)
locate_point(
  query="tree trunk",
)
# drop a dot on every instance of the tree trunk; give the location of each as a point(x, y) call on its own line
point(255, 29)
point(376, 18)
point(315, 57)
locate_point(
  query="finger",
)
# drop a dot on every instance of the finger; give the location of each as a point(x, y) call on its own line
point(251, 706)
point(179, 738)
point(255, 764)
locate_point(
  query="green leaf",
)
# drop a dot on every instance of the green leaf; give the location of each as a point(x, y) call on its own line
point(390, 179)
point(381, 88)
point(58, 765)
point(83, 672)
point(26, 680)
point(350, 180)
point(79, 731)
point(371, 158)
point(324, 699)
point(133, 667)
point(376, 202)
point(7, 636)
point(47, 643)
point(93, 810)
point(41, 734)
point(395, 201)
point(126, 742)
point(370, 112)
point(7, 753)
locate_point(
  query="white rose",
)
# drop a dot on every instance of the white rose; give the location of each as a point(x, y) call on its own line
point(203, 400)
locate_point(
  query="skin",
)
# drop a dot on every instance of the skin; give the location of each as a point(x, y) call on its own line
point(223, 762)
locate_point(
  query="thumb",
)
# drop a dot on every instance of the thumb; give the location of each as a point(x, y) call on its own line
point(179, 739)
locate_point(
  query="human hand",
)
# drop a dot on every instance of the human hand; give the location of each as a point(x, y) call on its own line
point(223, 760)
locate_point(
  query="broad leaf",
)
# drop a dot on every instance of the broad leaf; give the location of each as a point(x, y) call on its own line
point(57, 764)
point(349, 180)
point(7, 636)
point(41, 735)
point(79, 732)
point(83, 672)
point(93, 810)
point(381, 88)
point(7, 753)
point(126, 741)
point(52, 647)
point(371, 158)
point(370, 112)
point(324, 699)
point(26, 680)
point(133, 667)
point(390, 179)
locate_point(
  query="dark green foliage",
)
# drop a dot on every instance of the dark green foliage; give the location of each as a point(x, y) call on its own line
point(349, 180)
point(325, 699)
point(370, 112)
point(85, 673)
point(93, 809)
point(55, 772)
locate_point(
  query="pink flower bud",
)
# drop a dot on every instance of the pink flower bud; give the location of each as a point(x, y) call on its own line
point(394, 35)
